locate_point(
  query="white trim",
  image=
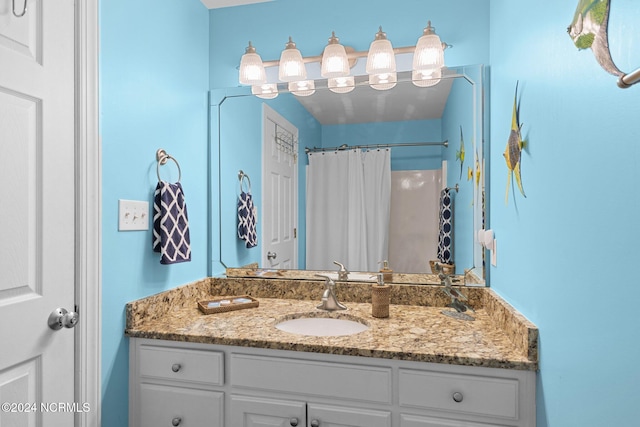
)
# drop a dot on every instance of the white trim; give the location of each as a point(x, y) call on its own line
point(88, 217)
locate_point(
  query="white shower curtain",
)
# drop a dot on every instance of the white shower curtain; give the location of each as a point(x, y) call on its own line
point(348, 202)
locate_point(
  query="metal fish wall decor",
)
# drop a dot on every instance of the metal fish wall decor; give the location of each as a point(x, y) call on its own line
point(589, 30)
point(513, 152)
point(460, 152)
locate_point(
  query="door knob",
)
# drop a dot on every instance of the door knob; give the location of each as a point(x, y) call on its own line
point(293, 422)
point(60, 318)
point(176, 421)
point(315, 423)
point(271, 255)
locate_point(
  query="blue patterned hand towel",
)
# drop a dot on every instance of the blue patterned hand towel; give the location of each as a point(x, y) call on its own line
point(247, 218)
point(170, 224)
point(445, 237)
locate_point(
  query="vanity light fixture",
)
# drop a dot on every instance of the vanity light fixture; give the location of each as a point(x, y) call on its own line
point(336, 61)
point(428, 58)
point(336, 65)
point(381, 63)
point(291, 65)
point(265, 90)
point(251, 68)
point(302, 87)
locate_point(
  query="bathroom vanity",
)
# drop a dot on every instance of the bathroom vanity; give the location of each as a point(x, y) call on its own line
point(417, 368)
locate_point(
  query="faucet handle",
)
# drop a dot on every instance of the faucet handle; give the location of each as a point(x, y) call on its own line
point(328, 281)
point(343, 273)
point(342, 267)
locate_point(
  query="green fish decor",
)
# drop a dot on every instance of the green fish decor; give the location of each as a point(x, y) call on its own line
point(589, 30)
point(512, 154)
point(460, 152)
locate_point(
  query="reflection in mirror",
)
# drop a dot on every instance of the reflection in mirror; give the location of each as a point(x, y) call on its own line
point(301, 210)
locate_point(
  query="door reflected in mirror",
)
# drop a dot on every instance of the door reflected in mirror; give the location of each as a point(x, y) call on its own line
point(259, 136)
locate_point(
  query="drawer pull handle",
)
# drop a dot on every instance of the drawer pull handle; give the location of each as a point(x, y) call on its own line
point(315, 423)
point(175, 368)
point(457, 397)
point(293, 422)
point(176, 421)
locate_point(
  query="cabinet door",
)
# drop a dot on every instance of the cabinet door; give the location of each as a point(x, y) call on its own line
point(166, 406)
point(338, 416)
point(260, 412)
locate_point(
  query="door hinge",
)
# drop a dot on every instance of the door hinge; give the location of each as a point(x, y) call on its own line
point(295, 233)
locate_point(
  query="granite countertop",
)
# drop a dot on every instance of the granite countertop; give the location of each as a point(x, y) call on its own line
point(499, 337)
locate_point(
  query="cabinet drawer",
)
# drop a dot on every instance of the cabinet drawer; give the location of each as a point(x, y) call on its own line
point(161, 405)
point(470, 394)
point(313, 378)
point(415, 421)
point(196, 366)
point(338, 416)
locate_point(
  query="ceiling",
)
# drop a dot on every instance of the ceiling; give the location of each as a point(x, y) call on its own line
point(215, 4)
point(405, 102)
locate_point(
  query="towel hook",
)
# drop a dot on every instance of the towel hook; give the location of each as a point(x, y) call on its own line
point(24, 9)
point(241, 177)
point(162, 157)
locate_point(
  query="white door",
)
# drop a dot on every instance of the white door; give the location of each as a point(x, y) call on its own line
point(279, 192)
point(37, 212)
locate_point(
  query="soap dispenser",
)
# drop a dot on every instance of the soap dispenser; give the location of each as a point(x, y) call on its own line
point(380, 298)
point(386, 271)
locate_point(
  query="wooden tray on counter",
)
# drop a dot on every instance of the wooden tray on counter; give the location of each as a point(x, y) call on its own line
point(203, 305)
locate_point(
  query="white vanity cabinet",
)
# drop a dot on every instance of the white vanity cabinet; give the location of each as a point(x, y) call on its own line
point(249, 387)
point(174, 384)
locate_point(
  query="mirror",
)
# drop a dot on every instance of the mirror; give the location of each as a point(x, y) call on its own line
point(405, 114)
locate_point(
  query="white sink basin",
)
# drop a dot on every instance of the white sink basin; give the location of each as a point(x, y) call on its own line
point(321, 326)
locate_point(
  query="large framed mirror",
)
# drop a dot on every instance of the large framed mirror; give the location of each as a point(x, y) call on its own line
point(435, 140)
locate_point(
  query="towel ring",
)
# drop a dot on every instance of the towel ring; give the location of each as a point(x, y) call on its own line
point(162, 157)
point(241, 177)
point(24, 9)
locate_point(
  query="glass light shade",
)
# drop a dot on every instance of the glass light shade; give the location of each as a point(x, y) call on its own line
point(381, 58)
point(291, 67)
point(335, 62)
point(429, 53)
point(251, 68)
point(265, 91)
point(302, 87)
point(341, 84)
point(383, 81)
point(426, 78)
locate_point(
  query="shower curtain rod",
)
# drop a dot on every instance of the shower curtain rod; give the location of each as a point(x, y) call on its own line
point(308, 150)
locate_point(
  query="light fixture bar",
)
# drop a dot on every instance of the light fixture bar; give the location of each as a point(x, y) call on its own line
point(350, 55)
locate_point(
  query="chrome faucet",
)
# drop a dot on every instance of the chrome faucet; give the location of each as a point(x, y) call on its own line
point(455, 295)
point(343, 273)
point(329, 300)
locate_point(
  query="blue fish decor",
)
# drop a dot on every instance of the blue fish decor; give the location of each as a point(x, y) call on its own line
point(513, 152)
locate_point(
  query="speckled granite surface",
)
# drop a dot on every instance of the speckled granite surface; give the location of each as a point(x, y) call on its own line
point(416, 330)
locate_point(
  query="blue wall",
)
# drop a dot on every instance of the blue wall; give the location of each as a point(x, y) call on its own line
point(154, 79)
point(459, 117)
point(410, 158)
point(567, 252)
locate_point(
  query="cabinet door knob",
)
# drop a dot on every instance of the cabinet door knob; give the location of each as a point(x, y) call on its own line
point(293, 422)
point(175, 368)
point(176, 421)
point(457, 396)
point(315, 423)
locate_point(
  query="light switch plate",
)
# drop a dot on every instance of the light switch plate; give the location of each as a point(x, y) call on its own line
point(133, 215)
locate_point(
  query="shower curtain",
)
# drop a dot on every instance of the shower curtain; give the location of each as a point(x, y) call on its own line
point(348, 202)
